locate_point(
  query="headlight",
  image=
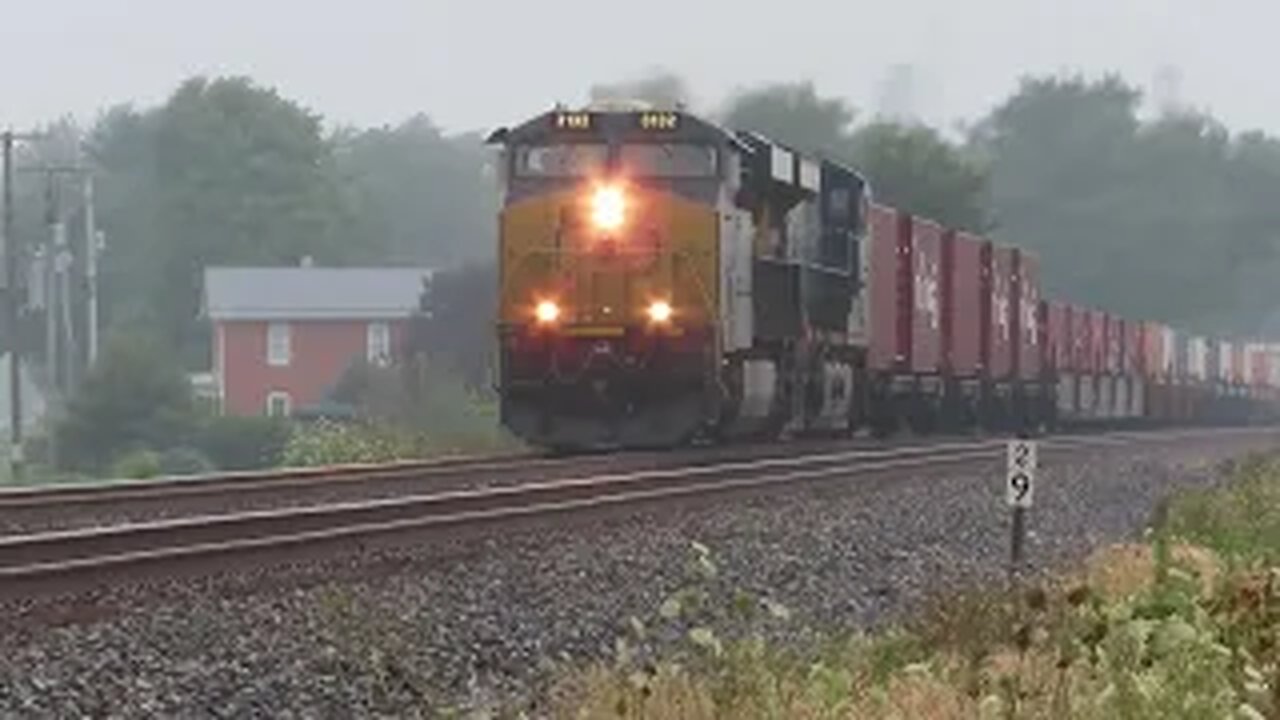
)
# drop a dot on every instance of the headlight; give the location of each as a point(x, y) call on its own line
point(660, 311)
point(608, 207)
point(546, 312)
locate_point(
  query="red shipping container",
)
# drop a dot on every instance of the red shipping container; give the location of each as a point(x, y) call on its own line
point(1237, 363)
point(1154, 360)
point(1113, 361)
point(1081, 325)
point(1134, 348)
point(886, 240)
point(1053, 320)
point(963, 254)
point(1097, 341)
point(926, 315)
point(1026, 314)
point(1259, 364)
point(1001, 342)
point(1059, 337)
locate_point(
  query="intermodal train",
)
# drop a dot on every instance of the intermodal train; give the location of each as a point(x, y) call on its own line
point(665, 279)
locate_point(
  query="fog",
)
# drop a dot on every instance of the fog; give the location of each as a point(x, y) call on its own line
point(472, 64)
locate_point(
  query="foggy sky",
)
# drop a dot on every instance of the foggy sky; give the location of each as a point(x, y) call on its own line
point(480, 64)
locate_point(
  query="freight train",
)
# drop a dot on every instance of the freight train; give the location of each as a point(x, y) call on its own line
point(664, 279)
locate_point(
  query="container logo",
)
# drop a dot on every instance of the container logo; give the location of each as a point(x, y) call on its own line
point(926, 290)
point(1000, 305)
point(1030, 328)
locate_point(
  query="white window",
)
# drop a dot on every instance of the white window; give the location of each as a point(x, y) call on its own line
point(279, 404)
point(378, 343)
point(278, 350)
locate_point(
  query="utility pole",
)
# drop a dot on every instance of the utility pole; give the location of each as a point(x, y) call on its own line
point(13, 268)
point(92, 246)
point(12, 259)
point(52, 246)
point(56, 261)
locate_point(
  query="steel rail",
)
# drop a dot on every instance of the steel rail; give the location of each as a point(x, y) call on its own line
point(83, 559)
point(86, 493)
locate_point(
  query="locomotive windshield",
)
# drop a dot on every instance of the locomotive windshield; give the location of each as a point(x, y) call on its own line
point(668, 160)
point(562, 160)
point(651, 160)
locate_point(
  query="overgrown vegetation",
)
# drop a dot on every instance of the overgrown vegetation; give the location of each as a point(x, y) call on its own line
point(134, 417)
point(1186, 626)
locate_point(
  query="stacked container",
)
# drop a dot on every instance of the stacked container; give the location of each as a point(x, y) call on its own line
point(1198, 360)
point(1001, 342)
point(1225, 353)
point(1060, 355)
point(968, 321)
point(1238, 371)
point(925, 261)
point(887, 350)
point(1026, 313)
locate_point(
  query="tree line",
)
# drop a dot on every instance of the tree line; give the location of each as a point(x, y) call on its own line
point(1169, 217)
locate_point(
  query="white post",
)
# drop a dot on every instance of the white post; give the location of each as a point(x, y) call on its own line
point(93, 245)
point(57, 239)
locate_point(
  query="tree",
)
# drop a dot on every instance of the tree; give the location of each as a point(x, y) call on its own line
point(429, 199)
point(456, 333)
point(795, 115)
point(225, 172)
point(1172, 219)
point(914, 169)
point(135, 398)
point(908, 166)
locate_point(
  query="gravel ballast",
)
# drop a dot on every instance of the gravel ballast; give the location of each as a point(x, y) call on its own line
point(401, 633)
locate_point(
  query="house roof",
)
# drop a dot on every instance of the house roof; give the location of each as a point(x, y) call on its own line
point(311, 293)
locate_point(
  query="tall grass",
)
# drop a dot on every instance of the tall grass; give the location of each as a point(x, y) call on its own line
point(1185, 626)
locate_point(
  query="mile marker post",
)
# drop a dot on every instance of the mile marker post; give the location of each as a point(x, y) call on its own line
point(1019, 492)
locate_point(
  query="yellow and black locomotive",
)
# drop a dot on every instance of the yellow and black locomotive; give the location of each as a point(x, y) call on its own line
point(662, 278)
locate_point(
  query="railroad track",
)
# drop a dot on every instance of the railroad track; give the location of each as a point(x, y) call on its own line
point(27, 510)
point(92, 558)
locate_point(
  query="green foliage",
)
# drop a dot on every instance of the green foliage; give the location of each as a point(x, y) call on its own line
point(911, 167)
point(184, 461)
point(136, 465)
point(427, 198)
point(1187, 639)
point(794, 114)
point(1239, 524)
point(329, 443)
point(915, 169)
point(423, 398)
point(136, 397)
point(225, 172)
point(1105, 198)
point(457, 334)
point(243, 443)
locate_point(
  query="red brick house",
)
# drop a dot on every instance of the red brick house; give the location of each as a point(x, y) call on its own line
point(283, 336)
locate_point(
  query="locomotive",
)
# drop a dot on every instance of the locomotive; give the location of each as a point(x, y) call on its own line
point(663, 278)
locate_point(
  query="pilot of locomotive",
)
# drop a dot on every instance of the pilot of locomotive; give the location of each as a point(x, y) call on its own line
point(608, 267)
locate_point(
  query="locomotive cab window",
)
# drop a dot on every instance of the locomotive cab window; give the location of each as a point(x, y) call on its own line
point(562, 160)
point(669, 160)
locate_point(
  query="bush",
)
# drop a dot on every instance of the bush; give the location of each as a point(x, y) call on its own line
point(330, 443)
point(136, 396)
point(243, 443)
point(136, 465)
point(184, 461)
